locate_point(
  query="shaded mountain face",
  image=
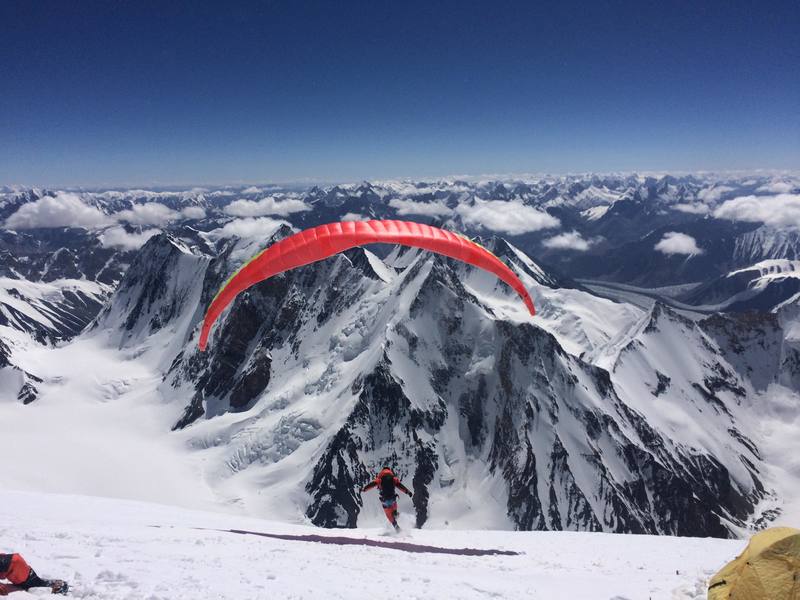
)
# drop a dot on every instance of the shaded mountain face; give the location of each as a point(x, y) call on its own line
point(63, 253)
point(760, 287)
point(789, 318)
point(53, 281)
point(640, 263)
point(158, 290)
point(50, 312)
point(46, 298)
point(752, 343)
point(15, 382)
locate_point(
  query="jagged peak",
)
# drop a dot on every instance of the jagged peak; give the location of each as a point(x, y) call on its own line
point(660, 313)
point(164, 241)
point(369, 265)
point(520, 261)
point(284, 230)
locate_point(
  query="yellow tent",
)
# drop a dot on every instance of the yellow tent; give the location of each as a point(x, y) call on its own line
point(768, 569)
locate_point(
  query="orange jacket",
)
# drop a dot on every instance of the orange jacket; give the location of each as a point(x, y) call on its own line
point(14, 568)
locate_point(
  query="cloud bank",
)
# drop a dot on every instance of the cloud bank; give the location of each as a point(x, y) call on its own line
point(63, 210)
point(777, 187)
point(248, 228)
point(194, 212)
point(265, 207)
point(150, 213)
point(514, 218)
point(678, 243)
point(781, 211)
point(117, 237)
point(695, 208)
point(571, 240)
point(155, 213)
point(69, 210)
point(714, 193)
point(428, 209)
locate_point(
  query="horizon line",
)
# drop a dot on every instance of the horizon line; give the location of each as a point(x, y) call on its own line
point(318, 182)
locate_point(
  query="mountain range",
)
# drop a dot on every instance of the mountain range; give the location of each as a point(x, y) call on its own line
point(640, 399)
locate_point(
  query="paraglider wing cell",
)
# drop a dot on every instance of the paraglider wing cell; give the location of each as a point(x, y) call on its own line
point(323, 241)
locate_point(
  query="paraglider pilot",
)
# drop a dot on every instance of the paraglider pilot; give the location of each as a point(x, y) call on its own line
point(388, 482)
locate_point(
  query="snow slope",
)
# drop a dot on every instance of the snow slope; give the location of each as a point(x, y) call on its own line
point(115, 550)
point(98, 426)
point(53, 310)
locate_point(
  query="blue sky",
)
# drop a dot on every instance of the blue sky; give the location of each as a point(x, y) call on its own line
point(117, 93)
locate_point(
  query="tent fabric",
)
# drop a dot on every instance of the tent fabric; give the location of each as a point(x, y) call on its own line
point(768, 569)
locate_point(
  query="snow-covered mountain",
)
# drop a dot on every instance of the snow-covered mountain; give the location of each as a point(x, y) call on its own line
point(594, 415)
point(354, 362)
point(762, 286)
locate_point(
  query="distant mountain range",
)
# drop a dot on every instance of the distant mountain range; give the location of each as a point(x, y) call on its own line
point(667, 315)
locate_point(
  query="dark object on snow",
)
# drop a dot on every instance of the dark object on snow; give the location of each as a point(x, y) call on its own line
point(348, 541)
point(22, 577)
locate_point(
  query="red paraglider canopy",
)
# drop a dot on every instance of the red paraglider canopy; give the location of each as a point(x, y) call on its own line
point(323, 241)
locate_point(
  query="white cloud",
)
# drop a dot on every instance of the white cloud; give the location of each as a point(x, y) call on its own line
point(781, 211)
point(194, 212)
point(714, 193)
point(117, 237)
point(69, 210)
point(428, 209)
point(695, 208)
point(248, 228)
point(778, 187)
point(571, 240)
point(355, 217)
point(150, 213)
point(267, 206)
point(63, 210)
point(155, 213)
point(678, 243)
point(509, 217)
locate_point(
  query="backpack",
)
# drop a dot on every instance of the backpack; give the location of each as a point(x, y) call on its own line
point(387, 486)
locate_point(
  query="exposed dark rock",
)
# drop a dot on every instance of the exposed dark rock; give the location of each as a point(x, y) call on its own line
point(662, 385)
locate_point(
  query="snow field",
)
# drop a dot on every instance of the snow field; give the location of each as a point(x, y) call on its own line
point(124, 550)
